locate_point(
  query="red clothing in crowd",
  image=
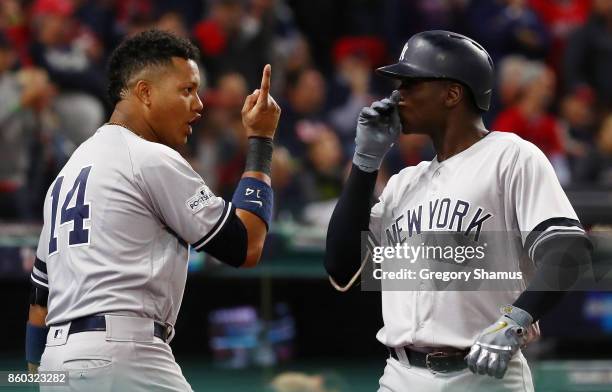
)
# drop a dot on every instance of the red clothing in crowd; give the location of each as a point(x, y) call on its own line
point(542, 131)
point(561, 17)
point(210, 37)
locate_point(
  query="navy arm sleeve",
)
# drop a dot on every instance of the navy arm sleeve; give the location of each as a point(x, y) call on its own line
point(557, 261)
point(351, 216)
point(230, 244)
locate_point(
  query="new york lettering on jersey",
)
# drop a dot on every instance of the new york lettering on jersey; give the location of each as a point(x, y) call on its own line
point(442, 214)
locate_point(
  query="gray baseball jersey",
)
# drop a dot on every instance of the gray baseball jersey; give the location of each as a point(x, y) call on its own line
point(500, 184)
point(118, 221)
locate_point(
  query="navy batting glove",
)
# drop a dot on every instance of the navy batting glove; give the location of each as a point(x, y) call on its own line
point(498, 343)
point(378, 127)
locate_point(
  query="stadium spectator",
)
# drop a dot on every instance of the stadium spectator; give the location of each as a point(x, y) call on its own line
point(173, 22)
point(596, 165)
point(561, 18)
point(289, 48)
point(579, 121)
point(509, 79)
point(507, 27)
point(303, 109)
point(14, 25)
point(288, 202)
point(588, 58)
point(402, 18)
point(509, 73)
point(292, 55)
point(100, 17)
point(351, 87)
point(228, 44)
point(24, 117)
point(221, 141)
point(70, 55)
point(530, 119)
point(133, 12)
point(190, 11)
point(322, 176)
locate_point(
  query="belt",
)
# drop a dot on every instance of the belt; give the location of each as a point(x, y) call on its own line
point(98, 323)
point(437, 361)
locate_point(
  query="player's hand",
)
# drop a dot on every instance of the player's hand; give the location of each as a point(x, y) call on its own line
point(260, 112)
point(498, 343)
point(36, 90)
point(378, 127)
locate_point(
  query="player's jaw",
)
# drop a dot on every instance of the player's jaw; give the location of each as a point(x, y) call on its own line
point(175, 127)
point(185, 115)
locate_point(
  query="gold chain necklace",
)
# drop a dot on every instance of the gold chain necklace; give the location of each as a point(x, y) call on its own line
point(124, 126)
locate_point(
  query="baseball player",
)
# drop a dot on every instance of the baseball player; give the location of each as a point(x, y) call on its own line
point(120, 217)
point(488, 181)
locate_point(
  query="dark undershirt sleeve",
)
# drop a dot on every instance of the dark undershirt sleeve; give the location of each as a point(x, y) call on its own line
point(557, 260)
point(351, 216)
point(230, 243)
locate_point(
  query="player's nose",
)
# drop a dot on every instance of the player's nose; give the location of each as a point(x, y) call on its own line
point(198, 104)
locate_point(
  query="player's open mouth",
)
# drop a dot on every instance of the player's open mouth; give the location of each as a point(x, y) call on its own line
point(194, 119)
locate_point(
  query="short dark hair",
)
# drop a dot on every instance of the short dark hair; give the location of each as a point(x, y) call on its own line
point(149, 48)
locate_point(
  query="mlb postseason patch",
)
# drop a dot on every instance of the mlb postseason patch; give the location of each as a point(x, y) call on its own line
point(201, 199)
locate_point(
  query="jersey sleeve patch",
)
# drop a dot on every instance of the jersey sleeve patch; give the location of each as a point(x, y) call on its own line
point(202, 198)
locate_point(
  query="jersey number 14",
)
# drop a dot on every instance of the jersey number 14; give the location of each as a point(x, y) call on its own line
point(76, 214)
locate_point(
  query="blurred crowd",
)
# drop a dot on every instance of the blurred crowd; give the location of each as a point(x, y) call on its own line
point(554, 84)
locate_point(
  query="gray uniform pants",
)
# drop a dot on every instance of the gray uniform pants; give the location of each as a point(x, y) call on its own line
point(125, 357)
point(401, 377)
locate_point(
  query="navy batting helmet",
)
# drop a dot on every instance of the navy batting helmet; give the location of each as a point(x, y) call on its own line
point(440, 54)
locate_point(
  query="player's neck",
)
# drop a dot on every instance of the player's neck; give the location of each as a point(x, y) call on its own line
point(124, 116)
point(457, 138)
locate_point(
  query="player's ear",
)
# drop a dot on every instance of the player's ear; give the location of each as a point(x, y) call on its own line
point(454, 94)
point(143, 91)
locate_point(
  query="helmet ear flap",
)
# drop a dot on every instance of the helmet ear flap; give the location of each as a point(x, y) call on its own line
point(470, 100)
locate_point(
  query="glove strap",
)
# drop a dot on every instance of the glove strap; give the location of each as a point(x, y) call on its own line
point(366, 162)
point(517, 315)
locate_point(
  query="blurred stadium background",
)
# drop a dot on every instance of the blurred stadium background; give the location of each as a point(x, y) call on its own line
point(282, 325)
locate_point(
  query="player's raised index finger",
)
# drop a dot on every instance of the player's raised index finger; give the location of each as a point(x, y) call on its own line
point(265, 83)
